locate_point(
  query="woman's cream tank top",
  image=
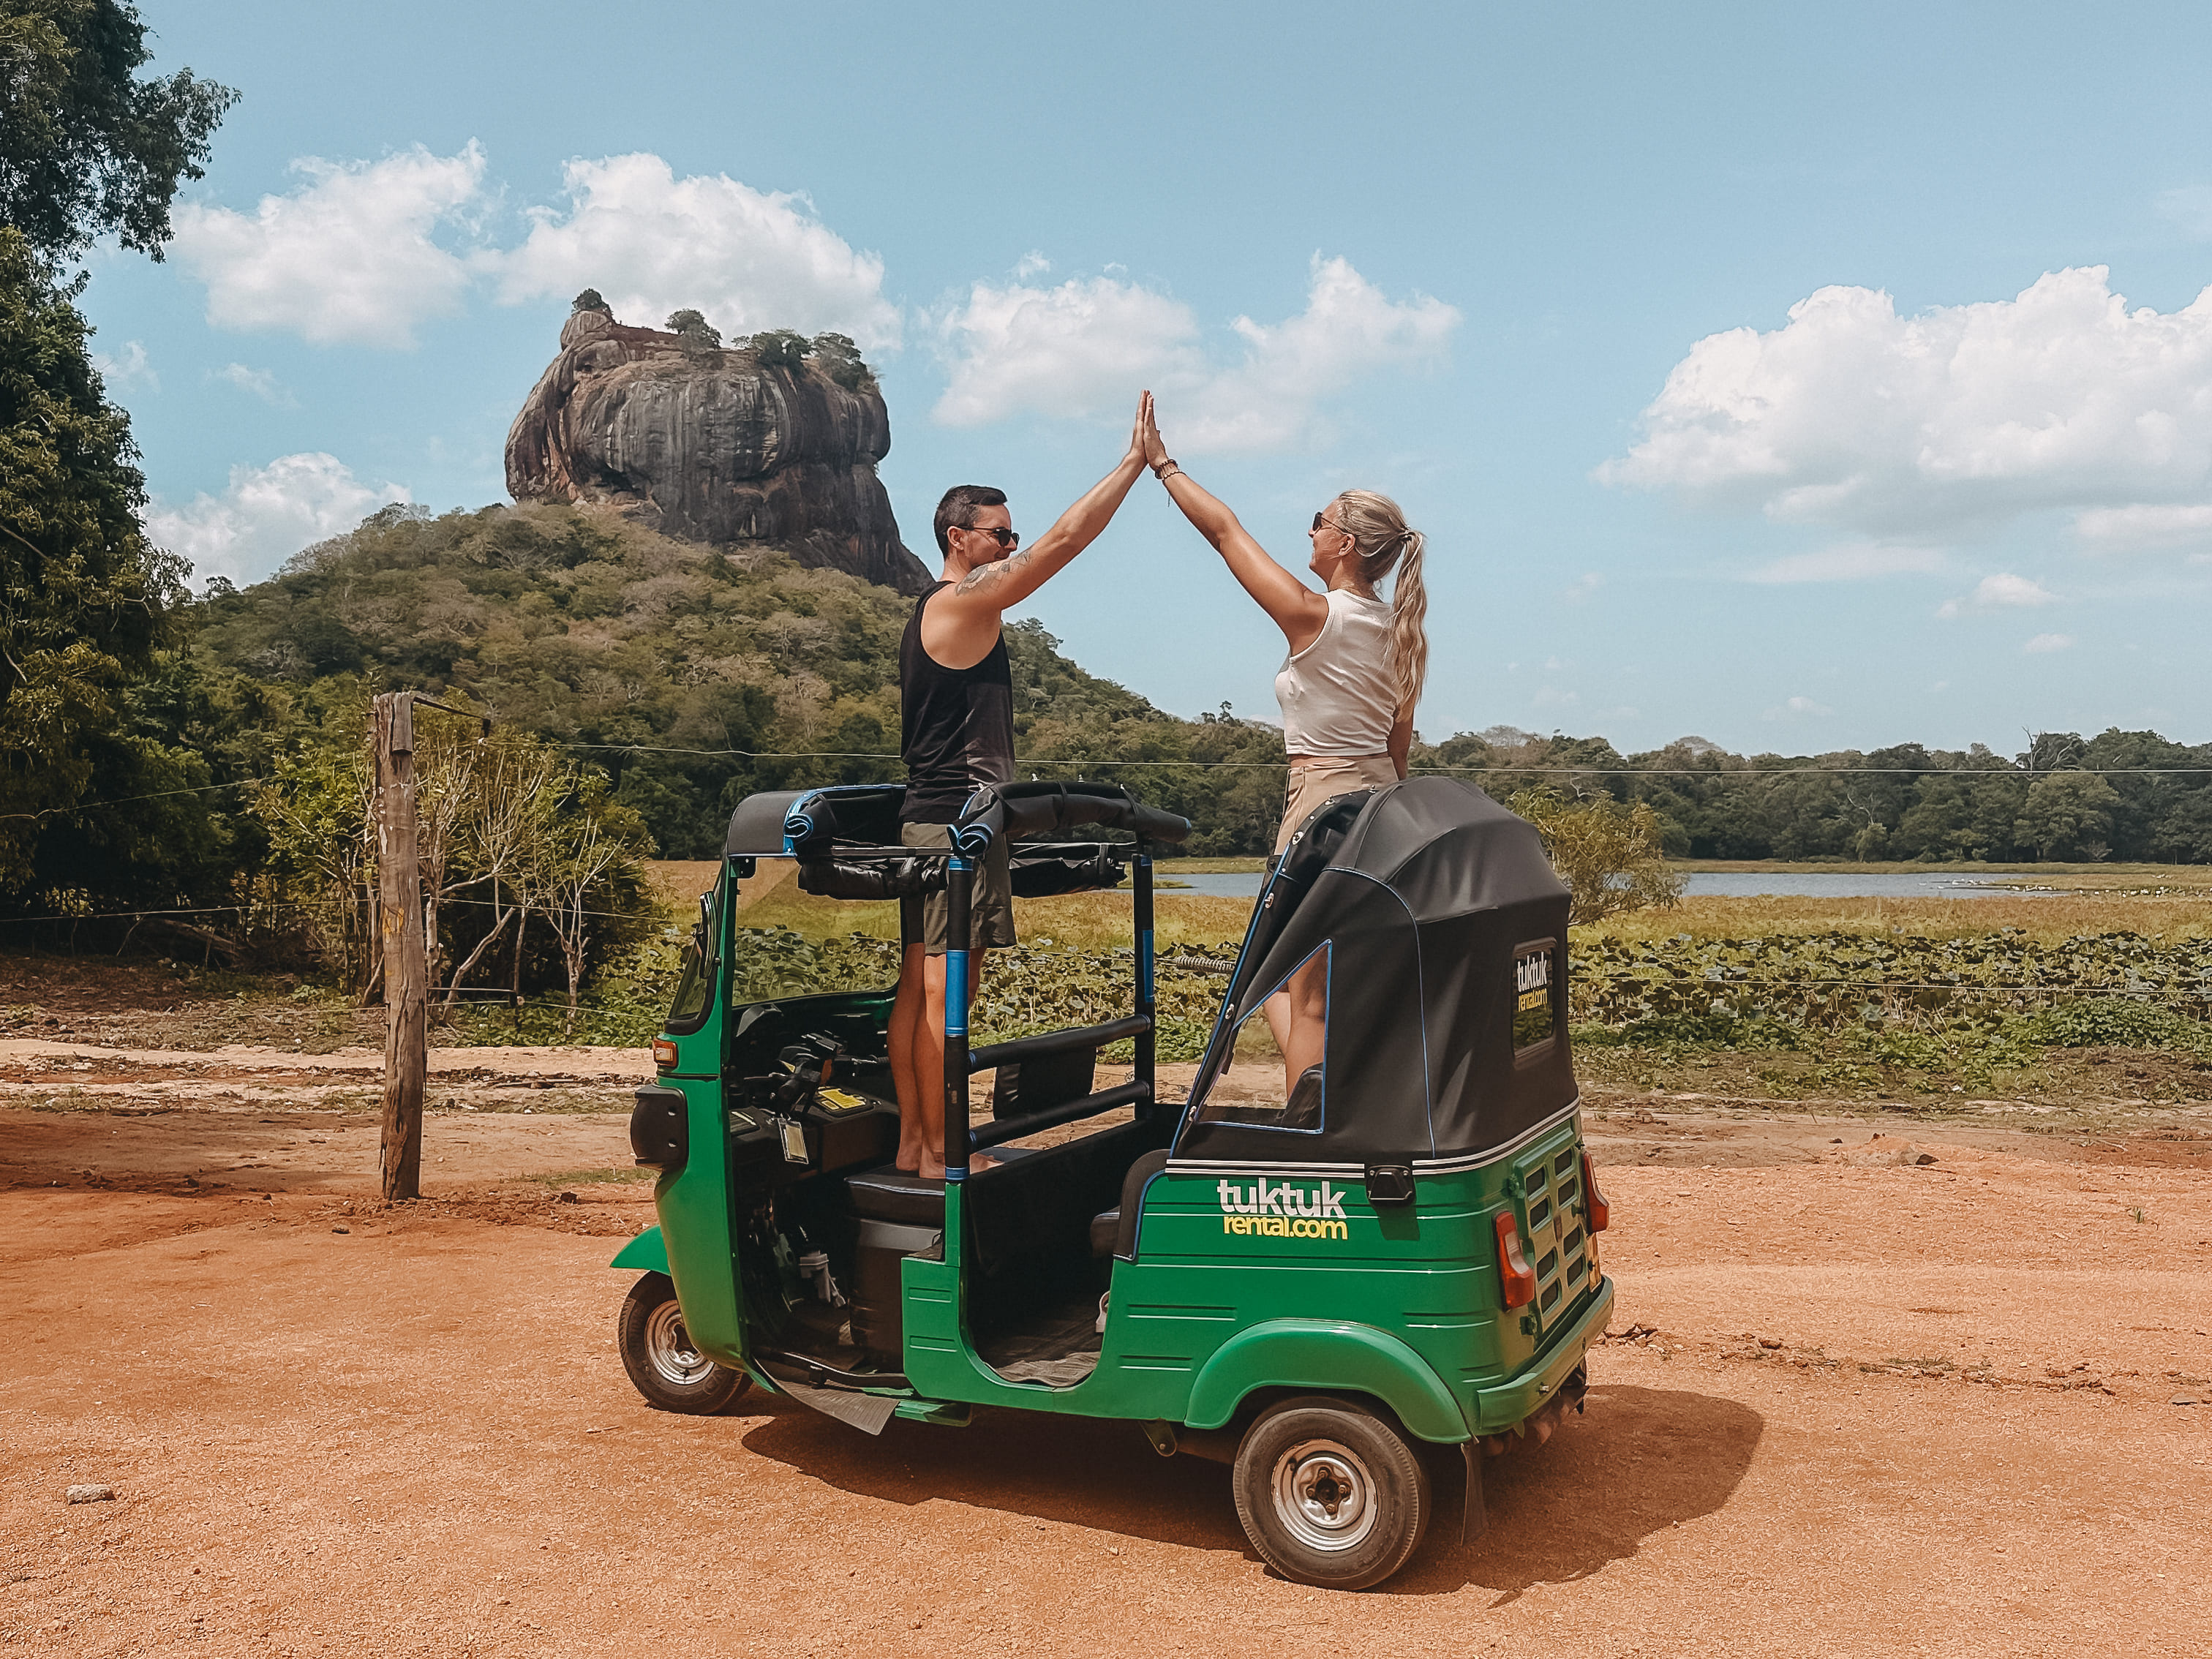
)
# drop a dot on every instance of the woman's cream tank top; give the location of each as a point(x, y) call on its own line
point(1338, 695)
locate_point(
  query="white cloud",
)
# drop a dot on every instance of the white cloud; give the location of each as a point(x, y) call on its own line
point(258, 382)
point(1851, 415)
point(267, 514)
point(1850, 562)
point(651, 242)
point(1799, 708)
point(1032, 264)
point(1087, 347)
point(346, 258)
point(2044, 643)
point(2122, 528)
point(1084, 348)
point(127, 367)
point(2002, 592)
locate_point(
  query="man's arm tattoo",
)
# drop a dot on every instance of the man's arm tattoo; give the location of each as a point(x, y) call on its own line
point(990, 575)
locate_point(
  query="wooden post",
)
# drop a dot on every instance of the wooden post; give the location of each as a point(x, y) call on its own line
point(406, 993)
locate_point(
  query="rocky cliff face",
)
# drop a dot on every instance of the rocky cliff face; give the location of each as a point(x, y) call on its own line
point(708, 445)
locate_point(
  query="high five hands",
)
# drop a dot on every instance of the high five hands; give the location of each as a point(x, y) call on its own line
point(1147, 440)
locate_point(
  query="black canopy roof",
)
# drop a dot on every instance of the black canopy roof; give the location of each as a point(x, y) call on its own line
point(1431, 901)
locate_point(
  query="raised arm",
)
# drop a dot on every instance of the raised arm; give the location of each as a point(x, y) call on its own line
point(1297, 609)
point(963, 623)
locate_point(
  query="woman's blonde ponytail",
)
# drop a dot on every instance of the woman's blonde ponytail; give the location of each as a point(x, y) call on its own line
point(1384, 541)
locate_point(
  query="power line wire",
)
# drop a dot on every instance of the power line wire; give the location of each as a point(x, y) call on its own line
point(123, 801)
point(1592, 768)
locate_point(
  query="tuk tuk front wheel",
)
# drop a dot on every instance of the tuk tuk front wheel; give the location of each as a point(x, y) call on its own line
point(1329, 1494)
point(658, 1353)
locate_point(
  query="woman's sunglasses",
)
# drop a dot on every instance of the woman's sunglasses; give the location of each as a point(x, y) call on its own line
point(1320, 518)
point(998, 533)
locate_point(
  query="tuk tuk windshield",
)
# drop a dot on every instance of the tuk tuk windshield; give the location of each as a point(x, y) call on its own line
point(772, 962)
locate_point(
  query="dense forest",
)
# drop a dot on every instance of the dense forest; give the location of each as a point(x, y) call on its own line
point(2125, 795)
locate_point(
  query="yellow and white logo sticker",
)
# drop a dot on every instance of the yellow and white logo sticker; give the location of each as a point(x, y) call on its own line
point(1282, 1209)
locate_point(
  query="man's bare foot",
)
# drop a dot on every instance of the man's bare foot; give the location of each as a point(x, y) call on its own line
point(908, 1161)
point(932, 1170)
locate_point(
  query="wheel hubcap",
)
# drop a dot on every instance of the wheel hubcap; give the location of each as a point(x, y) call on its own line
point(1324, 1496)
point(668, 1347)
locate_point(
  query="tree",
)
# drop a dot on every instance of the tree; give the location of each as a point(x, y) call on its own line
point(83, 596)
point(694, 330)
point(86, 147)
point(780, 348)
point(588, 848)
point(842, 362)
point(1608, 853)
point(2069, 815)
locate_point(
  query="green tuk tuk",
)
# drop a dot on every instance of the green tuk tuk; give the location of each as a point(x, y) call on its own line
point(1332, 1276)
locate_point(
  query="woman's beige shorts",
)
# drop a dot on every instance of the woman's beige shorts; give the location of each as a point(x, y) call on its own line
point(1315, 781)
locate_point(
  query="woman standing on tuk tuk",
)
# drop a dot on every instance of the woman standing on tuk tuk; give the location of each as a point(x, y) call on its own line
point(1349, 686)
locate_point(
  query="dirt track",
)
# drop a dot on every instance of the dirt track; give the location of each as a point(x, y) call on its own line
point(1859, 1404)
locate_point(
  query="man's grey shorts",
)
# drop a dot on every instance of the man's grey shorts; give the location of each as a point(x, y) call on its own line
point(991, 921)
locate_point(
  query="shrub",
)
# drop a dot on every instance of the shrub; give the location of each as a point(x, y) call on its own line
point(1608, 853)
point(840, 359)
point(694, 330)
point(779, 348)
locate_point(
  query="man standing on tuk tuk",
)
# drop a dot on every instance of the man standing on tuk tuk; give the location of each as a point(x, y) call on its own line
point(955, 695)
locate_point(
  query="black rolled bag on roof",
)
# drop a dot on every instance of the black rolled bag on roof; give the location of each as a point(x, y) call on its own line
point(1037, 871)
point(1432, 902)
point(1011, 809)
point(846, 838)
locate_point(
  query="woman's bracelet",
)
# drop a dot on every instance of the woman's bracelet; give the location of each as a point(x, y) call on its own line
point(1166, 470)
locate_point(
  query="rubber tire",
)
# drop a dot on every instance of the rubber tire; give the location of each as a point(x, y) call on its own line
point(1400, 1479)
point(713, 1391)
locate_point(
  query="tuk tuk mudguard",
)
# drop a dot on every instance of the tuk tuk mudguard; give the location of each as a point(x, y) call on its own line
point(1325, 1353)
point(648, 1253)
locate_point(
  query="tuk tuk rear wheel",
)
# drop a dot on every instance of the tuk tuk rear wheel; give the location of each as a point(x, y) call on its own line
point(658, 1353)
point(1329, 1494)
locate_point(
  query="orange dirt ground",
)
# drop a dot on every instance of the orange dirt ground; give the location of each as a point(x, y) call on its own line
point(1854, 1404)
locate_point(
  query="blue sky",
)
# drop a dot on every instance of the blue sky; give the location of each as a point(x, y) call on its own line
point(1798, 378)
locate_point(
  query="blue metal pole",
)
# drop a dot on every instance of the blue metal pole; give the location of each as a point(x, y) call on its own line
point(959, 892)
point(1147, 1042)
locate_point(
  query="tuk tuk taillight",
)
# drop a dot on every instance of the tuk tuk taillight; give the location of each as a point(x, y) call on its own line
point(1595, 1211)
point(663, 1053)
point(1514, 1272)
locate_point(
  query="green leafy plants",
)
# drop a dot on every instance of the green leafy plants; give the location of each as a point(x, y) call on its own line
point(840, 359)
point(780, 348)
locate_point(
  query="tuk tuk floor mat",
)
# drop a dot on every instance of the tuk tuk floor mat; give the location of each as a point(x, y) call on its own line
point(1058, 1348)
point(865, 1412)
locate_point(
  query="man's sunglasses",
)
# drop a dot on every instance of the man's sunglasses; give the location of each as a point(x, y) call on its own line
point(998, 533)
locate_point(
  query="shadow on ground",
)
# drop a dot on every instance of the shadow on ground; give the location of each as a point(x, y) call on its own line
point(1639, 1461)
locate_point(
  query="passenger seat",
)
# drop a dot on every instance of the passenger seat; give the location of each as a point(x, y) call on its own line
point(1114, 1232)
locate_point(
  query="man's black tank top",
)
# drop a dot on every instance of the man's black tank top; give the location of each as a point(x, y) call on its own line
point(956, 725)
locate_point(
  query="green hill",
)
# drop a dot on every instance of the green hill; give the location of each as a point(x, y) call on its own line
point(692, 676)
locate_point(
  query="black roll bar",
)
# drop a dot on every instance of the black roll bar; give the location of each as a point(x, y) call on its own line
point(1013, 1128)
point(1056, 1042)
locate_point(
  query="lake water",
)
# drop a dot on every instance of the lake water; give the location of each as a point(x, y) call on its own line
point(1797, 883)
